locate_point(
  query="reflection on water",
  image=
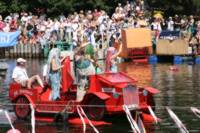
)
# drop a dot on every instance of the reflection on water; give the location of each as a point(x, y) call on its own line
point(179, 90)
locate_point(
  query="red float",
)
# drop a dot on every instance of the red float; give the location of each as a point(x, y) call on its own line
point(106, 94)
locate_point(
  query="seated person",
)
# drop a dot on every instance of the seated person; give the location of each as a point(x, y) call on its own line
point(20, 75)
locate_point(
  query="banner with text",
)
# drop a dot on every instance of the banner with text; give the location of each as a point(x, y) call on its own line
point(8, 39)
point(170, 35)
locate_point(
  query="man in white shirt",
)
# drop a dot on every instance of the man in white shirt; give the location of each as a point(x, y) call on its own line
point(170, 24)
point(20, 75)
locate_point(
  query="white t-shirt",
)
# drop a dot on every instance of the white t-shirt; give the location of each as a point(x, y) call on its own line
point(156, 26)
point(170, 25)
point(56, 25)
point(92, 38)
point(24, 19)
point(20, 74)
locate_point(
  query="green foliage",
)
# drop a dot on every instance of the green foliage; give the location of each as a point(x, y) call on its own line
point(55, 7)
point(2, 6)
point(172, 7)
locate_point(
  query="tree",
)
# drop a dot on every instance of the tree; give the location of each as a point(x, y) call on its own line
point(56, 7)
point(172, 7)
point(2, 7)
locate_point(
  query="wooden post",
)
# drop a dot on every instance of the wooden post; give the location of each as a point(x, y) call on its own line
point(6, 52)
point(33, 50)
point(18, 50)
point(22, 50)
point(1, 52)
point(15, 50)
point(29, 50)
point(26, 51)
point(37, 50)
point(11, 51)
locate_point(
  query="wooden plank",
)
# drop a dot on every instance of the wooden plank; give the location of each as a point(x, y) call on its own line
point(175, 47)
point(135, 38)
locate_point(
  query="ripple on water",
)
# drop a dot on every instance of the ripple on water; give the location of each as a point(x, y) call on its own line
point(178, 90)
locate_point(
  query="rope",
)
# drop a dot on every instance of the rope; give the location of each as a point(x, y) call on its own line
point(180, 125)
point(9, 120)
point(32, 118)
point(57, 105)
point(82, 111)
point(153, 114)
point(82, 119)
point(196, 111)
point(132, 122)
point(142, 125)
point(66, 109)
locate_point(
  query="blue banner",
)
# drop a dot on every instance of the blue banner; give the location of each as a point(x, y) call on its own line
point(8, 39)
point(170, 34)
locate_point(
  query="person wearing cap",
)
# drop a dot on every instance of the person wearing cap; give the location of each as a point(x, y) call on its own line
point(170, 24)
point(20, 75)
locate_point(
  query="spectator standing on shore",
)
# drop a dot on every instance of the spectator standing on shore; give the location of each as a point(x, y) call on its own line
point(191, 26)
point(156, 26)
point(177, 23)
point(170, 24)
point(2, 25)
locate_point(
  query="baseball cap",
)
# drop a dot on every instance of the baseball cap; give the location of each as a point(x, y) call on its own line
point(21, 60)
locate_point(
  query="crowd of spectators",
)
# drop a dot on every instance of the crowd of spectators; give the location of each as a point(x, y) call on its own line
point(96, 26)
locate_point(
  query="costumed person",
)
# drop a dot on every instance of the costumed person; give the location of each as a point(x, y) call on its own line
point(54, 73)
point(112, 54)
point(20, 75)
point(84, 68)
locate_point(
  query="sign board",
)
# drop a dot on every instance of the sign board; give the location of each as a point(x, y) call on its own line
point(170, 43)
point(175, 47)
point(171, 35)
point(135, 38)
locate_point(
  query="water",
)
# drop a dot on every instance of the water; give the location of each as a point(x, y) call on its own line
point(180, 90)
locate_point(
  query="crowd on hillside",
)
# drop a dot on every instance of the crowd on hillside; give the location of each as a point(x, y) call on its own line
point(95, 26)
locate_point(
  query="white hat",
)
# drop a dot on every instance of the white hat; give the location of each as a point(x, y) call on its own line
point(21, 60)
